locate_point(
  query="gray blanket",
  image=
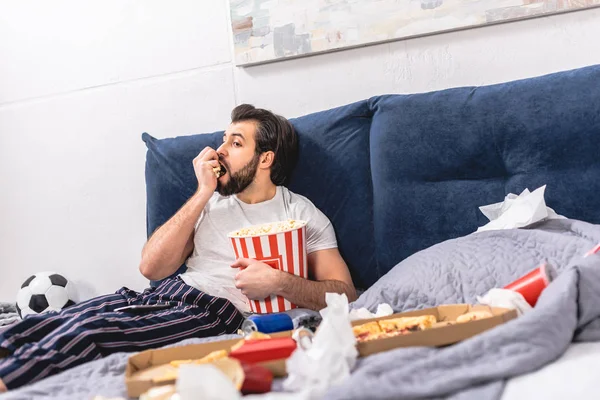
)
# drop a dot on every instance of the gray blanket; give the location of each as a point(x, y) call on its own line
point(459, 270)
point(452, 272)
point(8, 314)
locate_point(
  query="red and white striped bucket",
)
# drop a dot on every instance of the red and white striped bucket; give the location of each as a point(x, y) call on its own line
point(283, 249)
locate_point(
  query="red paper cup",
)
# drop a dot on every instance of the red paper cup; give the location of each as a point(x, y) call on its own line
point(282, 245)
point(532, 284)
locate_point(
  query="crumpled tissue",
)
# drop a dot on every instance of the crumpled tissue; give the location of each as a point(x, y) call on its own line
point(518, 211)
point(327, 361)
point(206, 379)
point(331, 356)
point(383, 310)
point(506, 299)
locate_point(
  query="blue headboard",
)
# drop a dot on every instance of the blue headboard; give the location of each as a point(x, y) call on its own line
point(399, 173)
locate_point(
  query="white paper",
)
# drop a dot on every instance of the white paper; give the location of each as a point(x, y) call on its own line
point(331, 356)
point(518, 211)
point(205, 382)
point(506, 299)
point(327, 361)
point(383, 310)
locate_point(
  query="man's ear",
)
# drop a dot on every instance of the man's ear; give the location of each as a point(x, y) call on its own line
point(266, 159)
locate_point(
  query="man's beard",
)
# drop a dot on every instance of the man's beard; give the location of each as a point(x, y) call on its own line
point(240, 180)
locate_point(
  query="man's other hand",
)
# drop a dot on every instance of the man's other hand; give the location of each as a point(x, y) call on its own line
point(256, 280)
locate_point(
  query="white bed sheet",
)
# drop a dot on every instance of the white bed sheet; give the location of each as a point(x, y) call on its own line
point(575, 375)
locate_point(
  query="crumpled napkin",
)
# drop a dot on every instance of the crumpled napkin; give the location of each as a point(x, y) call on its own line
point(383, 310)
point(518, 211)
point(205, 379)
point(506, 299)
point(331, 356)
point(311, 371)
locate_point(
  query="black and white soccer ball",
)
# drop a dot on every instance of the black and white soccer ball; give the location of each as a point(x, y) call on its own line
point(45, 291)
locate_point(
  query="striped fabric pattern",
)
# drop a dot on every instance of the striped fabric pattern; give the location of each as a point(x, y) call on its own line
point(285, 251)
point(45, 344)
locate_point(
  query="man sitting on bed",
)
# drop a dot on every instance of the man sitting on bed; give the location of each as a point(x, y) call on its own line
point(258, 153)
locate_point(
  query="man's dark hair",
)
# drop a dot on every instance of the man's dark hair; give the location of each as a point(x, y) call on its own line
point(273, 133)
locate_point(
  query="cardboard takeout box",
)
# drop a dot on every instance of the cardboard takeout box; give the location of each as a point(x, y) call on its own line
point(443, 333)
point(144, 367)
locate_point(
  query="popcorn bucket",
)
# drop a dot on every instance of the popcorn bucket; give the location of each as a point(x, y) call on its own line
point(282, 245)
point(532, 284)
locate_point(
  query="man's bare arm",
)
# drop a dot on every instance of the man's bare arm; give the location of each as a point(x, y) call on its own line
point(311, 294)
point(173, 242)
point(330, 274)
point(327, 270)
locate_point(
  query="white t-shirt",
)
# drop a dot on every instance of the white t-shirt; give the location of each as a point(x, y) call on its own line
point(209, 266)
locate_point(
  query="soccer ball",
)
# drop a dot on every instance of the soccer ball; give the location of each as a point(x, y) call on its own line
point(45, 291)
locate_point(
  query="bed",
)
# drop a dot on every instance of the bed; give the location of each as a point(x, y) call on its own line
point(401, 178)
point(576, 366)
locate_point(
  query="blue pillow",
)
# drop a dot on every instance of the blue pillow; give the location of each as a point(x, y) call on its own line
point(334, 172)
point(436, 157)
point(170, 178)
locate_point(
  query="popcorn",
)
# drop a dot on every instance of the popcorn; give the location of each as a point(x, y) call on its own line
point(219, 171)
point(270, 228)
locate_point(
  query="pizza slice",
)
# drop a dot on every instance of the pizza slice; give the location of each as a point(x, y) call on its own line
point(215, 355)
point(474, 316)
point(365, 331)
point(387, 328)
point(410, 324)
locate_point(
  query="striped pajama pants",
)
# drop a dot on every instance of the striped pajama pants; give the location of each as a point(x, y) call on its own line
point(45, 344)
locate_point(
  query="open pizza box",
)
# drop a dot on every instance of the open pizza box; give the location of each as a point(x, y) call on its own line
point(446, 331)
point(145, 369)
point(148, 369)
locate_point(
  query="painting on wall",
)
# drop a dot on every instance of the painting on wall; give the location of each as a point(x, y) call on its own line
point(270, 30)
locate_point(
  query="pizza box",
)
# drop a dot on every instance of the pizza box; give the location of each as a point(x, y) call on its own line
point(143, 368)
point(443, 333)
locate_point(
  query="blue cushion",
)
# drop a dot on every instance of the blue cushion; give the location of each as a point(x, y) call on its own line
point(437, 156)
point(170, 178)
point(431, 170)
point(334, 172)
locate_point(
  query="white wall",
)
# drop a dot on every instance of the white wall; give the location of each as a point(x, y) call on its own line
point(80, 81)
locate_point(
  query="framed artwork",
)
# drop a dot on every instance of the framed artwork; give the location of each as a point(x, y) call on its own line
point(271, 30)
